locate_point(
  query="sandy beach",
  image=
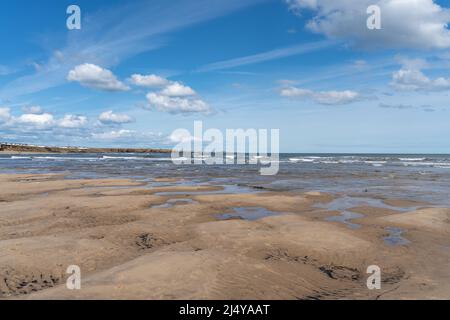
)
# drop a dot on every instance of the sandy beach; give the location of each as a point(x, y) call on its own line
point(132, 241)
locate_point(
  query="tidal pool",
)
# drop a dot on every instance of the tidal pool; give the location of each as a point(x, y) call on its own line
point(173, 202)
point(395, 237)
point(247, 213)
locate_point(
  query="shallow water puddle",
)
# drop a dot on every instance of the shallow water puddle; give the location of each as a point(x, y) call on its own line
point(179, 183)
point(227, 189)
point(344, 205)
point(348, 202)
point(172, 203)
point(95, 188)
point(395, 237)
point(247, 213)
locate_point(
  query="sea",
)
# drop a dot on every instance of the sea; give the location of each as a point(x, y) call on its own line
point(419, 177)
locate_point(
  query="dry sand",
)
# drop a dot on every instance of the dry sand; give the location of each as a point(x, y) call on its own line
point(129, 247)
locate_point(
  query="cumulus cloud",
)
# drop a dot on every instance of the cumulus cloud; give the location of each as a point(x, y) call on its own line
point(177, 104)
point(148, 81)
point(38, 121)
point(322, 97)
point(73, 121)
point(93, 76)
point(411, 78)
point(46, 128)
point(109, 117)
point(174, 97)
point(177, 89)
point(417, 24)
point(33, 122)
point(415, 80)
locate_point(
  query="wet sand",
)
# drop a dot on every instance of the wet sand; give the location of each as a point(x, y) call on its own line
point(177, 242)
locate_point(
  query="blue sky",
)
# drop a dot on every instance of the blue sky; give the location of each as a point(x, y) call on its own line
point(138, 70)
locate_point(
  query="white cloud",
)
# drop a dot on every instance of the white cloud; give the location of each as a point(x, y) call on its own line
point(112, 135)
point(32, 110)
point(93, 76)
point(39, 121)
point(71, 129)
point(177, 104)
point(149, 81)
point(411, 78)
point(109, 117)
point(177, 89)
point(72, 121)
point(322, 97)
point(5, 114)
point(29, 122)
point(418, 24)
point(297, 5)
point(408, 79)
point(176, 98)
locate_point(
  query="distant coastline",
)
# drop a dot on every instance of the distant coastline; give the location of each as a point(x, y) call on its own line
point(24, 148)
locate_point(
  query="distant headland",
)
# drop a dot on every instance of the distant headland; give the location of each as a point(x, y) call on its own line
point(25, 148)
